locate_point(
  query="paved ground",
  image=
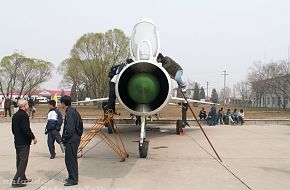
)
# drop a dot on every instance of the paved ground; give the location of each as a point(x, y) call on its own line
point(254, 157)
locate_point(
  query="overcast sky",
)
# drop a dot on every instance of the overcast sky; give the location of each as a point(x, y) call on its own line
point(205, 37)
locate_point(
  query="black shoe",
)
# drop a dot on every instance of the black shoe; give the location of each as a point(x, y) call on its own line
point(69, 184)
point(52, 157)
point(18, 185)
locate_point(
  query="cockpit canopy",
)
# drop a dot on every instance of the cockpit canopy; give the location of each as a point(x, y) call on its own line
point(144, 42)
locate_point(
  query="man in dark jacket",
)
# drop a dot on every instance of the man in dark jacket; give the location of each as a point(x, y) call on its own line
point(7, 106)
point(22, 140)
point(174, 70)
point(31, 104)
point(53, 126)
point(113, 75)
point(71, 140)
point(213, 114)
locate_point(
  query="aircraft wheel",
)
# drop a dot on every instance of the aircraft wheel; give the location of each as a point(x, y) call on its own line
point(143, 149)
point(178, 126)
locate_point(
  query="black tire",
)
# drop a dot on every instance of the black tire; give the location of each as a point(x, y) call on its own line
point(178, 126)
point(143, 149)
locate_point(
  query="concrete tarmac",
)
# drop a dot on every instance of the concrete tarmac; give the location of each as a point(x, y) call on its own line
point(253, 157)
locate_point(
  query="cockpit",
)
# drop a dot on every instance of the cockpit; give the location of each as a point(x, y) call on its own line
point(144, 42)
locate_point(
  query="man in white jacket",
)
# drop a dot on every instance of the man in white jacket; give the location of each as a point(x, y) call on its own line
point(53, 126)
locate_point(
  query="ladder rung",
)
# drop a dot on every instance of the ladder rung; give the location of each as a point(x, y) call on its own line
point(94, 131)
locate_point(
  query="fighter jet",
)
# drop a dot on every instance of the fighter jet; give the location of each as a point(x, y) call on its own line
point(144, 87)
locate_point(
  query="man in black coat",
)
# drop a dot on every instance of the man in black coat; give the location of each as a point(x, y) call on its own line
point(22, 140)
point(31, 104)
point(7, 106)
point(71, 141)
point(113, 75)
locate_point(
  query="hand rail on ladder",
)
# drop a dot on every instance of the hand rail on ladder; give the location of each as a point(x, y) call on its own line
point(115, 144)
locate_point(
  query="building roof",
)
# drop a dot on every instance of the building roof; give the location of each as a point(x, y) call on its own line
point(43, 92)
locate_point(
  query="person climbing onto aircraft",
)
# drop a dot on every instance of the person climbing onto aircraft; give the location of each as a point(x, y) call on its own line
point(113, 75)
point(174, 70)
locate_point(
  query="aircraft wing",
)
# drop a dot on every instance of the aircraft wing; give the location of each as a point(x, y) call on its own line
point(182, 100)
point(98, 100)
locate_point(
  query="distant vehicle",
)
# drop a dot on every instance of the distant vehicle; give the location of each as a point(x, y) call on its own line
point(41, 99)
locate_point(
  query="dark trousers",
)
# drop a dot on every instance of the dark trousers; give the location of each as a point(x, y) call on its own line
point(184, 111)
point(31, 111)
point(112, 96)
point(51, 137)
point(71, 161)
point(22, 154)
point(213, 120)
point(9, 110)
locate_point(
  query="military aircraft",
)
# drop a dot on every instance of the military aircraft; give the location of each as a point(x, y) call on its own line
point(144, 87)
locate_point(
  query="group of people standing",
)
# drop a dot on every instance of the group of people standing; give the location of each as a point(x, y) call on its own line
point(6, 104)
point(69, 140)
point(223, 118)
point(72, 131)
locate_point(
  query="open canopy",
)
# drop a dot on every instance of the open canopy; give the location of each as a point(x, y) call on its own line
point(144, 42)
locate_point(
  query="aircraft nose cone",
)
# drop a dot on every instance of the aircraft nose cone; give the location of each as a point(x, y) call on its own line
point(143, 88)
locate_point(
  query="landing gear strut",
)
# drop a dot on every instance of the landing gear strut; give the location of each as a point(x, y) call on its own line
point(143, 144)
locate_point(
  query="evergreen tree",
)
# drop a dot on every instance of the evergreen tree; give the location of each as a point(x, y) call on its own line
point(196, 92)
point(202, 93)
point(214, 96)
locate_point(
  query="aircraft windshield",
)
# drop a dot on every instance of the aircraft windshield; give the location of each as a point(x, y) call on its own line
point(144, 42)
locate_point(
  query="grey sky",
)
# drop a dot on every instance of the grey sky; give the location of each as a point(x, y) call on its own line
point(205, 37)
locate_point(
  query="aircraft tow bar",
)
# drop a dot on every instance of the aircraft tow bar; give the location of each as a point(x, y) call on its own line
point(199, 124)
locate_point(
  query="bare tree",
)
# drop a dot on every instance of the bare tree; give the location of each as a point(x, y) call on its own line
point(91, 58)
point(257, 77)
point(31, 74)
point(8, 73)
point(227, 95)
point(270, 79)
point(244, 91)
point(18, 72)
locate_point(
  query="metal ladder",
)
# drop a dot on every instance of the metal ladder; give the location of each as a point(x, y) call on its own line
point(115, 143)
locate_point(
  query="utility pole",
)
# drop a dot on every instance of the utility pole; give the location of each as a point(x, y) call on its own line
point(207, 83)
point(288, 53)
point(288, 60)
point(225, 77)
point(246, 94)
point(234, 95)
